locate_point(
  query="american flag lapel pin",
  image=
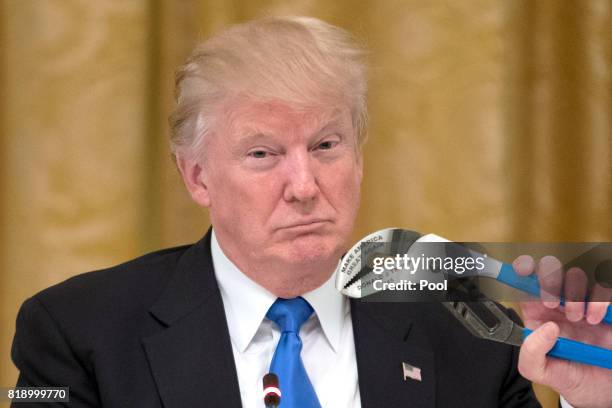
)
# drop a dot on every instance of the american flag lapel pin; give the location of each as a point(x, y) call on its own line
point(412, 372)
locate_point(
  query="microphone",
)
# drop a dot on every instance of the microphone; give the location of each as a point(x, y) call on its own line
point(271, 391)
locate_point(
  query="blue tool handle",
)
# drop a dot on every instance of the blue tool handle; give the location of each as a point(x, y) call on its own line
point(580, 352)
point(529, 284)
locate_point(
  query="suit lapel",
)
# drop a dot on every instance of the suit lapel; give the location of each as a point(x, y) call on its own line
point(384, 339)
point(191, 359)
point(193, 365)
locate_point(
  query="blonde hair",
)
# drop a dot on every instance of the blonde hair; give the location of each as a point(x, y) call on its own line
point(300, 60)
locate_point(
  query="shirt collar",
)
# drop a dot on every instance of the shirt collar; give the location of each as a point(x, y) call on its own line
point(246, 302)
point(331, 307)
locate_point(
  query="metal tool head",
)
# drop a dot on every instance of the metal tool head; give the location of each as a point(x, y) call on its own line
point(354, 273)
point(480, 315)
point(485, 319)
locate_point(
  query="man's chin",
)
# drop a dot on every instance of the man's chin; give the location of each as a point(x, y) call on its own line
point(314, 250)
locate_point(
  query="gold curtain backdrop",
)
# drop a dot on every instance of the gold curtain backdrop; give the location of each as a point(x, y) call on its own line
point(490, 121)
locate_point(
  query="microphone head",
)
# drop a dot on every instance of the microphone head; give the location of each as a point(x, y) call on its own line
point(271, 390)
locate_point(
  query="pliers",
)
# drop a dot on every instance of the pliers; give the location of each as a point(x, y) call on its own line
point(485, 319)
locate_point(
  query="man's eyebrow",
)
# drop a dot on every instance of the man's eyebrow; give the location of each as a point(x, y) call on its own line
point(334, 123)
point(248, 137)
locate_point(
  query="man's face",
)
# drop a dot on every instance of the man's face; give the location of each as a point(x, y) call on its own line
point(282, 184)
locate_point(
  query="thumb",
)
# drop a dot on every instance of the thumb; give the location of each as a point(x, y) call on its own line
point(533, 363)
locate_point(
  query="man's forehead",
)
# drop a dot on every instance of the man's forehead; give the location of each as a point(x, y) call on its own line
point(255, 115)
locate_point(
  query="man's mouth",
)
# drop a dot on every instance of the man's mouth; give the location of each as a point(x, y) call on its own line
point(306, 225)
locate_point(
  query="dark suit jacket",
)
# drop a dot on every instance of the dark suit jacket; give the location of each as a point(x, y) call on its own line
point(152, 332)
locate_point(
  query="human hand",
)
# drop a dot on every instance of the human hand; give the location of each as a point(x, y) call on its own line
point(581, 385)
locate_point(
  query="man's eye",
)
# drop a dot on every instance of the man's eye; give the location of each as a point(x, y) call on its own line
point(329, 144)
point(259, 154)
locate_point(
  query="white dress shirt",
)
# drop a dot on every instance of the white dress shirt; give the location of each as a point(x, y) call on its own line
point(327, 336)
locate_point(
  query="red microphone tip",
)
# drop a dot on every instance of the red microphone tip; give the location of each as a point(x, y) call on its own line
point(271, 390)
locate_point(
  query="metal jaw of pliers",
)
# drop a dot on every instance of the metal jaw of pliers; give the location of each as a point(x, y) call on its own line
point(497, 326)
point(486, 320)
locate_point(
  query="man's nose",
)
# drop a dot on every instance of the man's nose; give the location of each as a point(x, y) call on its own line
point(302, 184)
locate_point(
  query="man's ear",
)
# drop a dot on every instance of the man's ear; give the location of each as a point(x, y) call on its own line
point(194, 178)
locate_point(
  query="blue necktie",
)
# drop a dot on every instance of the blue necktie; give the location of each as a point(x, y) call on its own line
point(296, 388)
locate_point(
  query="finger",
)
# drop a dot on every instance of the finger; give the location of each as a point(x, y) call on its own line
point(524, 265)
point(575, 293)
point(598, 306)
point(550, 277)
point(533, 363)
